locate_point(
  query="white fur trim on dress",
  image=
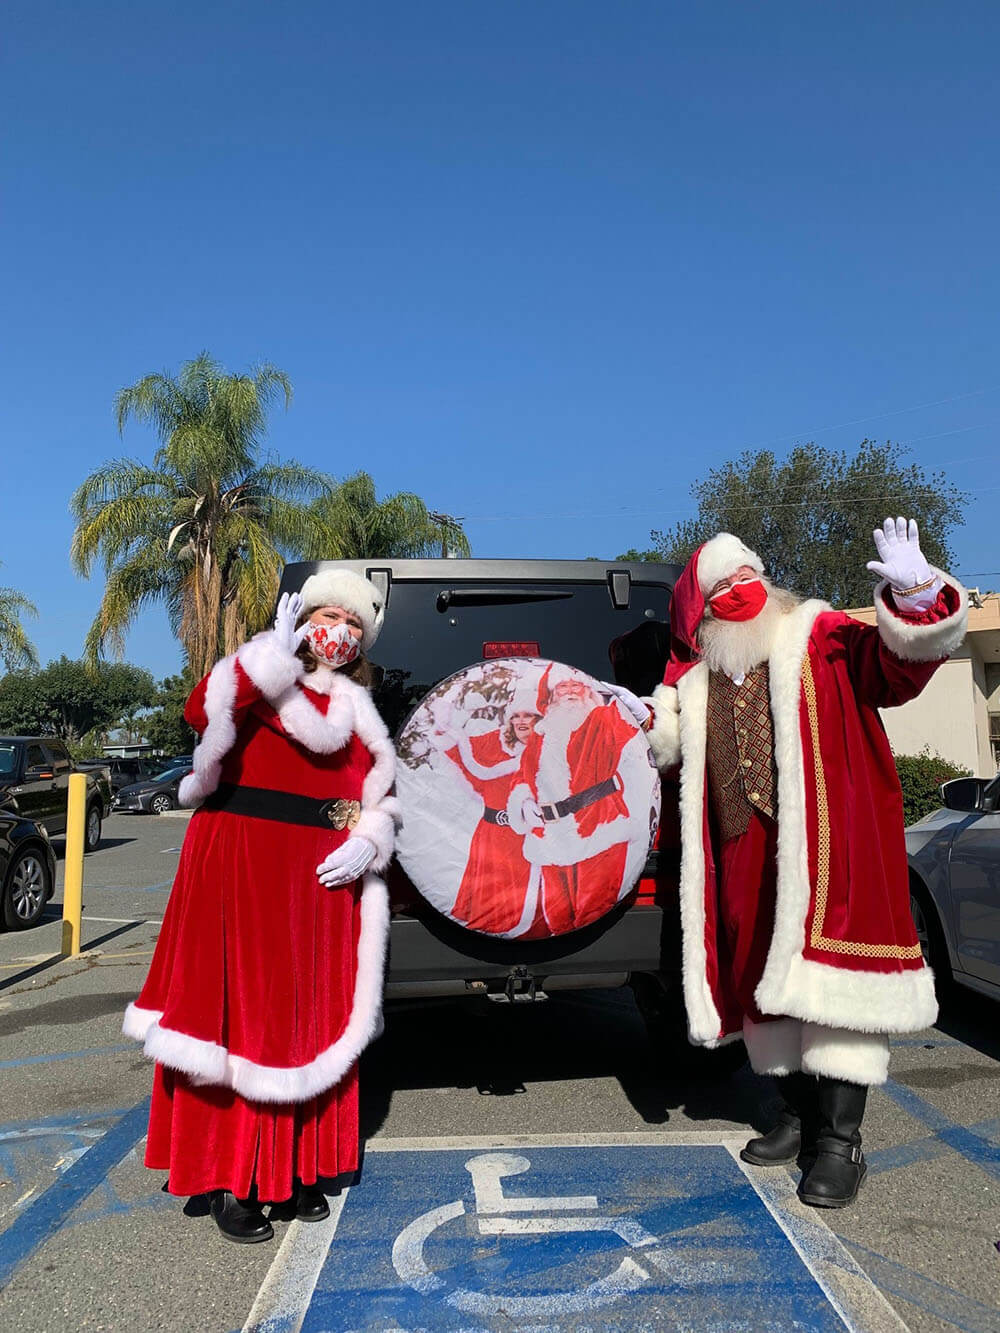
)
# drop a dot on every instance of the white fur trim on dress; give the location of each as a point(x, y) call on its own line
point(858, 1057)
point(664, 735)
point(721, 556)
point(207, 1062)
point(922, 643)
point(774, 1048)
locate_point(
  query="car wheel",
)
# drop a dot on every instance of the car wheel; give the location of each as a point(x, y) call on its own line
point(161, 803)
point(27, 890)
point(92, 830)
point(930, 936)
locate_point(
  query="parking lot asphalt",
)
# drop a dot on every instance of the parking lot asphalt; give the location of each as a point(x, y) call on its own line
point(89, 1240)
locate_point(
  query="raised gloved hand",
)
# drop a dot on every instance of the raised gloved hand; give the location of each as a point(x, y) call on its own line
point(286, 617)
point(904, 566)
point(632, 704)
point(348, 863)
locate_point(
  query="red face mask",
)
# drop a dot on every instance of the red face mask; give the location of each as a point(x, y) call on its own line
point(742, 601)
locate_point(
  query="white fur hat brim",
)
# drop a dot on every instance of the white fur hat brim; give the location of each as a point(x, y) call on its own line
point(721, 556)
point(344, 588)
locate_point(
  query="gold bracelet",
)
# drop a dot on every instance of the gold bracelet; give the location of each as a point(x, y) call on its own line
point(919, 587)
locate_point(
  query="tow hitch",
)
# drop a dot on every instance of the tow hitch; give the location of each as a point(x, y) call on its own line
point(519, 988)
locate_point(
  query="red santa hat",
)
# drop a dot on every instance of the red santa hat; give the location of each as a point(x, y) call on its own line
point(716, 559)
point(344, 588)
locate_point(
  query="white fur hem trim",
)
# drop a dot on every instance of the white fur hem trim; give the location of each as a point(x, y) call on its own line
point(664, 735)
point(206, 1062)
point(858, 1057)
point(774, 1048)
point(923, 643)
point(861, 1001)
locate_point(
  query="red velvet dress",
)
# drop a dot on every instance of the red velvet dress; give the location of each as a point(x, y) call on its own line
point(253, 996)
point(491, 895)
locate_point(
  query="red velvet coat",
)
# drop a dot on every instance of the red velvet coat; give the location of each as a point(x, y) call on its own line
point(844, 951)
point(263, 980)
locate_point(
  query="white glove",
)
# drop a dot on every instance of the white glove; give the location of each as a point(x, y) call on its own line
point(903, 565)
point(632, 704)
point(531, 813)
point(348, 863)
point(290, 606)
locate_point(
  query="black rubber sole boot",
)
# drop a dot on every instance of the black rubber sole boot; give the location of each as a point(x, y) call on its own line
point(796, 1128)
point(242, 1223)
point(311, 1204)
point(834, 1178)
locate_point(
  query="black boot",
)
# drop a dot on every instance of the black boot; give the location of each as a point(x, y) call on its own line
point(311, 1204)
point(239, 1221)
point(796, 1128)
point(835, 1177)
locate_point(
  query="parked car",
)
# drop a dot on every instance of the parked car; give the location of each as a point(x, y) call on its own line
point(954, 856)
point(34, 781)
point(152, 796)
point(126, 772)
point(27, 869)
point(442, 616)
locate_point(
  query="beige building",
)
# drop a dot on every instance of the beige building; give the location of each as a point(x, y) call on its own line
point(958, 715)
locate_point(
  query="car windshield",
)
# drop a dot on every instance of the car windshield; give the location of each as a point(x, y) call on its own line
point(8, 760)
point(436, 627)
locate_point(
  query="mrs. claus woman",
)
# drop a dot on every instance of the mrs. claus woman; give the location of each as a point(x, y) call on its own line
point(266, 982)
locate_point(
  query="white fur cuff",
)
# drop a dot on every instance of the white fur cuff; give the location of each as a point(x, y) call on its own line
point(664, 735)
point(270, 666)
point(922, 643)
point(379, 826)
point(858, 1057)
point(774, 1048)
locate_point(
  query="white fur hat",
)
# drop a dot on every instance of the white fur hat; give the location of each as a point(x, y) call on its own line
point(721, 556)
point(342, 587)
point(523, 700)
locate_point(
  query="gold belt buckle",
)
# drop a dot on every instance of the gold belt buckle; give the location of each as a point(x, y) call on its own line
point(343, 813)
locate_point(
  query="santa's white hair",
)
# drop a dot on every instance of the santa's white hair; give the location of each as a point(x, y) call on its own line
point(737, 646)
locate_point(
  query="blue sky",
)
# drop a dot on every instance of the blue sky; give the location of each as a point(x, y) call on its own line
point(542, 261)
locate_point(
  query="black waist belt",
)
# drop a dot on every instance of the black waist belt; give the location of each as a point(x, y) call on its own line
point(573, 804)
point(284, 807)
point(500, 817)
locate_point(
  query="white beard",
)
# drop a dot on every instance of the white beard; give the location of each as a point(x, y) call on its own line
point(736, 647)
point(562, 718)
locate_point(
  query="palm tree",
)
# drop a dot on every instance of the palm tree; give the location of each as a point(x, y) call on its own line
point(356, 525)
point(16, 649)
point(206, 528)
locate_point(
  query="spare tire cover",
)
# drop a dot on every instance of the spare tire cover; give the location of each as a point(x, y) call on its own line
point(530, 798)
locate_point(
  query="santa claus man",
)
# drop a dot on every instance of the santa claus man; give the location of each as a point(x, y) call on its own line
point(794, 885)
point(569, 803)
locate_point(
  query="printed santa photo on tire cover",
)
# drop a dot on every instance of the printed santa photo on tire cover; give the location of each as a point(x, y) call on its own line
point(530, 799)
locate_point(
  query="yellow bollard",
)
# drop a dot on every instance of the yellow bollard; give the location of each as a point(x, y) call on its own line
point(76, 817)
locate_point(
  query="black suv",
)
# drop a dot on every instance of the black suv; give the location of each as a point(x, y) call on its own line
point(444, 615)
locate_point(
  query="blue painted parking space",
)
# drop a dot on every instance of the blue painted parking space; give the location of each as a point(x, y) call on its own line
point(563, 1238)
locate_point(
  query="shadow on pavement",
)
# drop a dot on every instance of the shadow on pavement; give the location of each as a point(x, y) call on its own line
point(501, 1049)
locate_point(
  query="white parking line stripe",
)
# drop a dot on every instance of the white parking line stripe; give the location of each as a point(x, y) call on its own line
point(126, 920)
point(846, 1285)
point(285, 1293)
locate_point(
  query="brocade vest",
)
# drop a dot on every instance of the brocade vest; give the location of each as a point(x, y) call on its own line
point(740, 751)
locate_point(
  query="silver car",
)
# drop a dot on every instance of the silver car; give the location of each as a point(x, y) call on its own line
point(954, 857)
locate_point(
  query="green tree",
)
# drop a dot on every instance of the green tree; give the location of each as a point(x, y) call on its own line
point(68, 700)
point(16, 649)
point(206, 528)
point(810, 518)
point(920, 775)
point(357, 525)
point(164, 727)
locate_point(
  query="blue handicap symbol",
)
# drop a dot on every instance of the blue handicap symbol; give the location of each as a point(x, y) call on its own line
point(561, 1238)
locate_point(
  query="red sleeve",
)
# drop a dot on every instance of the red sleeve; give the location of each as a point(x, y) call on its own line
point(880, 678)
point(247, 695)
